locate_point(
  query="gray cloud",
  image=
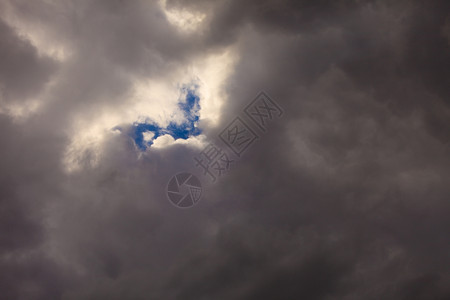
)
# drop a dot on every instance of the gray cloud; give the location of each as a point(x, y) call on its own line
point(345, 196)
point(23, 73)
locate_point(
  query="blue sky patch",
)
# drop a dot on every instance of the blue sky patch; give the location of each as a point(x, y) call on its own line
point(189, 104)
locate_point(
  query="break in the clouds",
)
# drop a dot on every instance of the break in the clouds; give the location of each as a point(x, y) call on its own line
point(147, 132)
point(344, 197)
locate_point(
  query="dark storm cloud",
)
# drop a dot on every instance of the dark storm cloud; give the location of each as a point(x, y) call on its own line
point(27, 182)
point(23, 72)
point(345, 196)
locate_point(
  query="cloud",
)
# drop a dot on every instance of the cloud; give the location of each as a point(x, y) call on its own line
point(343, 197)
point(24, 74)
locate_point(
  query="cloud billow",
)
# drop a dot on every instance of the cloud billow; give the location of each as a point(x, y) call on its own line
point(344, 197)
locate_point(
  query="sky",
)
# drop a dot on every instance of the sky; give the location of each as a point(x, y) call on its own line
point(106, 105)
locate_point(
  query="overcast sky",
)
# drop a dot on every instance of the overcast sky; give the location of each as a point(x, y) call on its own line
point(344, 194)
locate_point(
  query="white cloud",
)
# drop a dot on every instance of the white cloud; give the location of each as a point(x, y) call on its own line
point(167, 140)
point(148, 136)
